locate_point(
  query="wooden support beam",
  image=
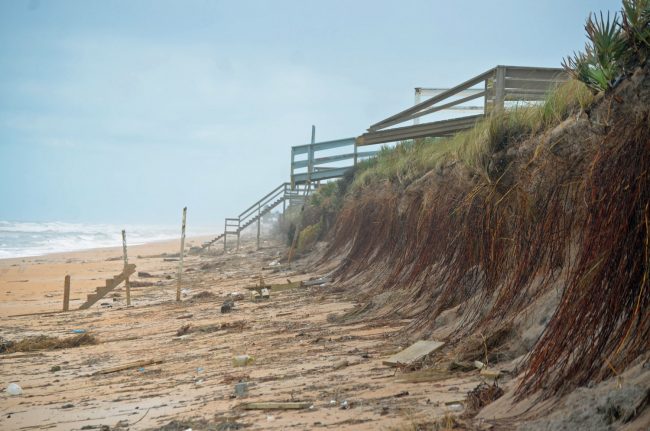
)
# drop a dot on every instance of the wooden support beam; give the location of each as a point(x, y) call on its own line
point(126, 264)
point(66, 293)
point(180, 263)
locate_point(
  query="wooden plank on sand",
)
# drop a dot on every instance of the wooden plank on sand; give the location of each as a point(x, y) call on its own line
point(128, 366)
point(277, 406)
point(413, 353)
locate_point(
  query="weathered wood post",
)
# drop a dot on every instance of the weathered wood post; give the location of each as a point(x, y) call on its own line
point(284, 201)
point(310, 155)
point(126, 264)
point(180, 262)
point(259, 221)
point(225, 235)
point(66, 293)
point(238, 231)
point(499, 88)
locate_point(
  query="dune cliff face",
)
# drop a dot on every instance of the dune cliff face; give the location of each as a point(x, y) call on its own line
point(559, 228)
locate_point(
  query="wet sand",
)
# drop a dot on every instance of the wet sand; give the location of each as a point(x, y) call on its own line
point(296, 347)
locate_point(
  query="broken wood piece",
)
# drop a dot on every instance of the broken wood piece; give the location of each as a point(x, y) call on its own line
point(111, 284)
point(413, 353)
point(277, 406)
point(490, 373)
point(316, 282)
point(129, 365)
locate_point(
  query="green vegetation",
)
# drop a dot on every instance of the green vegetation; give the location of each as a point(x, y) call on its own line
point(614, 47)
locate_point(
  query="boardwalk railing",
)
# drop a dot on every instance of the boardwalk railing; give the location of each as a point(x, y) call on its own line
point(314, 168)
point(497, 86)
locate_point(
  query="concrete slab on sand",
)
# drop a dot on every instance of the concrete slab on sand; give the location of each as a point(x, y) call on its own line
point(413, 353)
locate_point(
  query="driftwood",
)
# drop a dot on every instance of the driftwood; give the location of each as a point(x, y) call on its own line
point(128, 366)
point(277, 406)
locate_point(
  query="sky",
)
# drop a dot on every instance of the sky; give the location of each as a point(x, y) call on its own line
point(126, 111)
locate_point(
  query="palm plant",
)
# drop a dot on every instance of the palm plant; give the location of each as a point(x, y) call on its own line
point(614, 46)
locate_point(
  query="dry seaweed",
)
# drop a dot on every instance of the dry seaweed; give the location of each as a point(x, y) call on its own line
point(44, 342)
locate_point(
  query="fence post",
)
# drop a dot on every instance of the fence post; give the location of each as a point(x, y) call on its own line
point(66, 293)
point(180, 262)
point(127, 284)
point(500, 87)
point(225, 234)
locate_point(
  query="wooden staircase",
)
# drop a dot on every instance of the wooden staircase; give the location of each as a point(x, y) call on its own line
point(111, 284)
point(253, 214)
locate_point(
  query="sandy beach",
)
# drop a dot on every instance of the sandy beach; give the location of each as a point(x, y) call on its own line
point(300, 354)
point(35, 284)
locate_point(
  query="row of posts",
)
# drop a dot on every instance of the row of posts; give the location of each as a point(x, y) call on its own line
point(127, 285)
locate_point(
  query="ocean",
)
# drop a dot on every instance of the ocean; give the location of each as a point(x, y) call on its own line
point(23, 239)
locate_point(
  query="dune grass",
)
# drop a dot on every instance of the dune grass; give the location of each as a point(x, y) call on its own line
point(409, 160)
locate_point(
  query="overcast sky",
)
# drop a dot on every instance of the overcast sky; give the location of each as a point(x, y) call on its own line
point(126, 111)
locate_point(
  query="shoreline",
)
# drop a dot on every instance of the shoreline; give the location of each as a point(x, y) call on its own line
point(35, 284)
point(116, 247)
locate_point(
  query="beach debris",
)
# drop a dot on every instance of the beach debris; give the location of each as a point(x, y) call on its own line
point(185, 316)
point(241, 389)
point(401, 394)
point(340, 364)
point(5, 344)
point(264, 293)
point(143, 274)
point(185, 329)
point(454, 406)
point(44, 342)
point(315, 282)
point(78, 331)
point(14, 389)
point(413, 353)
point(129, 365)
point(55, 368)
point(483, 395)
point(236, 296)
point(489, 373)
point(141, 283)
point(277, 405)
point(479, 365)
point(227, 306)
point(461, 366)
point(107, 304)
point(204, 295)
point(111, 284)
point(242, 360)
point(214, 327)
point(345, 405)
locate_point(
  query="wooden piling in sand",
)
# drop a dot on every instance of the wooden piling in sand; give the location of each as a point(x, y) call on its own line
point(66, 293)
point(126, 264)
point(180, 263)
